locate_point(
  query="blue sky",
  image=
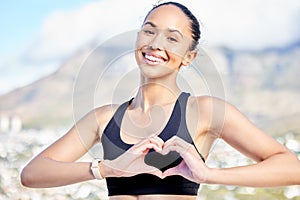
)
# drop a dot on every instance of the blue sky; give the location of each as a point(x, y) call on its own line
point(37, 35)
point(20, 23)
point(20, 20)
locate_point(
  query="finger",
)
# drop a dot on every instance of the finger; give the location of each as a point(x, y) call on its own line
point(154, 171)
point(179, 146)
point(156, 143)
point(170, 172)
point(142, 149)
point(173, 147)
point(157, 140)
point(177, 141)
point(177, 171)
point(141, 170)
point(153, 139)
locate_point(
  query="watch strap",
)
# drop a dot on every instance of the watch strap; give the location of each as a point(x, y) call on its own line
point(96, 169)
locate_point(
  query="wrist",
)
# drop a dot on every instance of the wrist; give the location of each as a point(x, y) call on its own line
point(211, 175)
point(108, 169)
point(96, 169)
point(103, 169)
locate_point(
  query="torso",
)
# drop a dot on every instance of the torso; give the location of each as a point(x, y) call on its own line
point(137, 122)
point(197, 108)
point(136, 125)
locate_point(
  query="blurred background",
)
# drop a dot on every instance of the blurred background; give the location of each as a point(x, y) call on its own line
point(51, 66)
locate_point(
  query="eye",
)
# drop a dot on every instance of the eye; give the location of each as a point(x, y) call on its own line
point(172, 39)
point(148, 32)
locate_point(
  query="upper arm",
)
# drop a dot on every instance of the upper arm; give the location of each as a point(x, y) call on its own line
point(244, 136)
point(76, 142)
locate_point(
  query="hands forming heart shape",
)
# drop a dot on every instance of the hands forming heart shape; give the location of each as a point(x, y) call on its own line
point(162, 159)
point(162, 162)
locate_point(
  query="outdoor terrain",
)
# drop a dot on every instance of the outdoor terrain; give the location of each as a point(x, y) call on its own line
point(264, 85)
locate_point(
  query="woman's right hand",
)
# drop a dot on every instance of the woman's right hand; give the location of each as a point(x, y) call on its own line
point(132, 161)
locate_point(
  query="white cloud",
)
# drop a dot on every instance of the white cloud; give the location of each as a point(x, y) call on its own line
point(238, 24)
point(250, 24)
point(246, 24)
point(64, 32)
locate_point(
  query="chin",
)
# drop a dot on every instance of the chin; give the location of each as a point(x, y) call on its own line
point(155, 72)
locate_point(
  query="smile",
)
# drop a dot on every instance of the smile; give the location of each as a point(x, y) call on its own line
point(153, 59)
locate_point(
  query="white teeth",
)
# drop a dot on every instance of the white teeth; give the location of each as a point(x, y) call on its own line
point(153, 58)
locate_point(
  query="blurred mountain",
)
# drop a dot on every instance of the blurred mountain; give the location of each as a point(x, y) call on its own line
point(52, 100)
point(46, 100)
point(263, 84)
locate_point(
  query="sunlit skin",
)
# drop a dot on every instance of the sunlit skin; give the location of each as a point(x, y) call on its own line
point(162, 48)
point(163, 44)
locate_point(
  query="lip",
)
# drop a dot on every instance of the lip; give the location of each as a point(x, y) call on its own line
point(153, 59)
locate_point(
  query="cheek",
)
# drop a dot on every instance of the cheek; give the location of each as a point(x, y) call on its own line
point(142, 41)
point(179, 49)
point(138, 43)
point(177, 52)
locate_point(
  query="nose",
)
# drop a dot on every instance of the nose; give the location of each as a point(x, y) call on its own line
point(157, 43)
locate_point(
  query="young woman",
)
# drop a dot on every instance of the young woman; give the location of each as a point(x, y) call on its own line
point(155, 144)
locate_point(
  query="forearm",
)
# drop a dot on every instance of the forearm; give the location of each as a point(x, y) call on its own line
point(279, 170)
point(44, 172)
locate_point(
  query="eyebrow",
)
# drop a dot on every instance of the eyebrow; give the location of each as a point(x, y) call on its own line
point(174, 30)
point(149, 23)
point(170, 30)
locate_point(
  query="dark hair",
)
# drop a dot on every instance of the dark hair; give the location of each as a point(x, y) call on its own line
point(195, 26)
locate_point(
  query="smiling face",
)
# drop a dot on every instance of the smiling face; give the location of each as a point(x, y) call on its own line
point(163, 44)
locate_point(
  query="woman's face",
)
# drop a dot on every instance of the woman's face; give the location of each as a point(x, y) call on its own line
point(163, 43)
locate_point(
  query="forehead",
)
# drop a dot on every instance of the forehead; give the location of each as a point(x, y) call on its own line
point(170, 17)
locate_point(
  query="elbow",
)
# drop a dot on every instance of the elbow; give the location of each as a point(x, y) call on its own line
point(27, 178)
point(293, 169)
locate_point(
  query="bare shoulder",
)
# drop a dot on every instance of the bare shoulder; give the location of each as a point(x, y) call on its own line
point(104, 114)
point(207, 104)
point(210, 112)
point(105, 110)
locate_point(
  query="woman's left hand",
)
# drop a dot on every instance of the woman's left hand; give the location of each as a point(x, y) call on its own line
point(192, 166)
point(131, 162)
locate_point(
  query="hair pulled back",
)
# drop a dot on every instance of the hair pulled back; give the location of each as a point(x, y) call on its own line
point(194, 24)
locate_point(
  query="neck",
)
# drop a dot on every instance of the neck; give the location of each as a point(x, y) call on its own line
point(151, 94)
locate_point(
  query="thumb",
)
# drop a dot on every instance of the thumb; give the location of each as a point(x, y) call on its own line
point(154, 171)
point(170, 172)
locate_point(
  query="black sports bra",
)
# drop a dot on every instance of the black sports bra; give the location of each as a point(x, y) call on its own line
point(143, 184)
